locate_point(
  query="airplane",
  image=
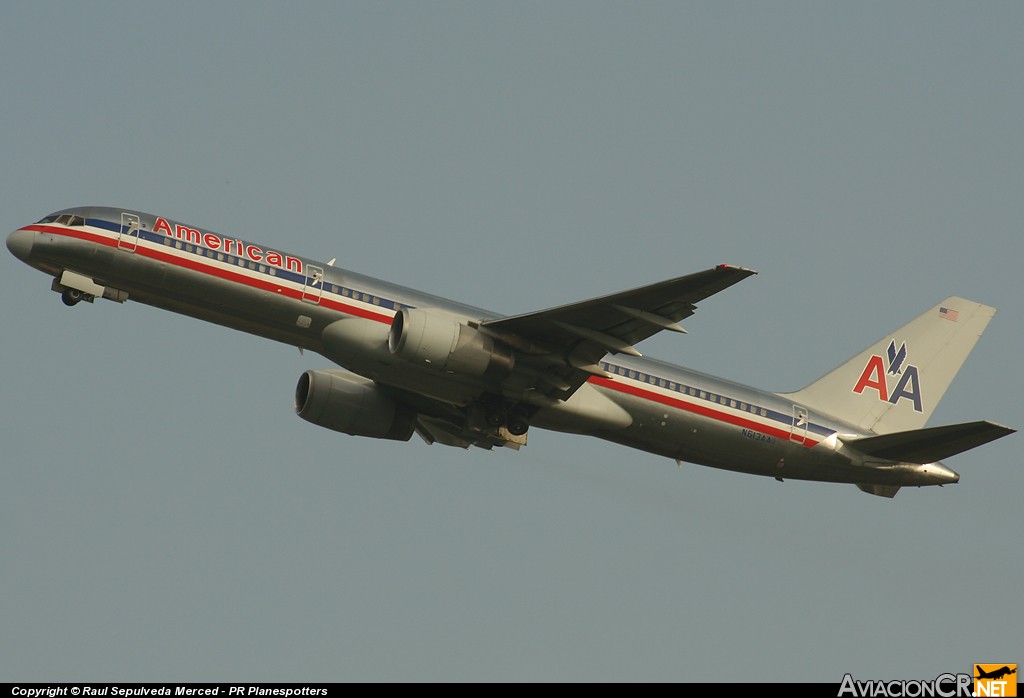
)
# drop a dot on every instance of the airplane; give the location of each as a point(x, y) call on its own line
point(463, 376)
point(997, 674)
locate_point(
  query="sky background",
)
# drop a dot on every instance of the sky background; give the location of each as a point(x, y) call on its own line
point(164, 515)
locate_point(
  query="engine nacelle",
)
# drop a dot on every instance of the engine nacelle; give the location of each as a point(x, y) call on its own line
point(351, 404)
point(444, 343)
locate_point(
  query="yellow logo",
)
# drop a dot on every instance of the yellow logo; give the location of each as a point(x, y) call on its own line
point(995, 680)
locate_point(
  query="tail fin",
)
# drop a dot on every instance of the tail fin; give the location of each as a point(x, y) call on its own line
point(895, 384)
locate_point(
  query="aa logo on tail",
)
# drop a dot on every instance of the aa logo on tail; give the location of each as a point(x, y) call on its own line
point(880, 371)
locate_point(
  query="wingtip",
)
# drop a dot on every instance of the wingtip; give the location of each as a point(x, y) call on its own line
point(735, 267)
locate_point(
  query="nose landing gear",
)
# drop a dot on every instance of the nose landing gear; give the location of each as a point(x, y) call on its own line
point(72, 296)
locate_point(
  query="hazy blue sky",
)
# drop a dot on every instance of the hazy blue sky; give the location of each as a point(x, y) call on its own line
point(165, 516)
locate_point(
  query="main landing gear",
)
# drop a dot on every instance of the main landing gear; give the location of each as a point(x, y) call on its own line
point(513, 418)
point(517, 425)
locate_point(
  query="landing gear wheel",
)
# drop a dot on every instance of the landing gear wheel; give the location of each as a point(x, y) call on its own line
point(517, 426)
point(71, 296)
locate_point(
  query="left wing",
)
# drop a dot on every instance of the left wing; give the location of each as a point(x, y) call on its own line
point(562, 346)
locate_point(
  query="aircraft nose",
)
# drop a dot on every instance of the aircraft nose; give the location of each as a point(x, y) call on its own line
point(20, 243)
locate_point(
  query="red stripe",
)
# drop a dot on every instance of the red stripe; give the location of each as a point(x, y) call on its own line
point(218, 272)
point(701, 410)
point(246, 280)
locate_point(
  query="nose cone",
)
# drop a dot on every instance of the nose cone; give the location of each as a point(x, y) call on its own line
point(20, 243)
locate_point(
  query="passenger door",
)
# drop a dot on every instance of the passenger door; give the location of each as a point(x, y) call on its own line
point(128, 237)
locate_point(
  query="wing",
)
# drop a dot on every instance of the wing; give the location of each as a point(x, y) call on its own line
point(560, 348)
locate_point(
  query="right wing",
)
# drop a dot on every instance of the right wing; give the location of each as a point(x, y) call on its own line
point(556, 351)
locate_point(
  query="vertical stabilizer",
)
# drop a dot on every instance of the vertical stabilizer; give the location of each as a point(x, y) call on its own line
point(895, 384)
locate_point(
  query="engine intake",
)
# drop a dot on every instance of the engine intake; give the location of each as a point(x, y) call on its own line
point(444, 343)
point(351, 404)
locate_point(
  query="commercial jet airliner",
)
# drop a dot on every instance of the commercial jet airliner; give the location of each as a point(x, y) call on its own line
point(462, 376)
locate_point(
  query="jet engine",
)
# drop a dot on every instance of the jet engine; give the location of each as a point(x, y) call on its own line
point(444, 343)
point(351, 404)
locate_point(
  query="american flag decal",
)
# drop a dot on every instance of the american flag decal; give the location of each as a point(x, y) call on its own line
point(949, 314)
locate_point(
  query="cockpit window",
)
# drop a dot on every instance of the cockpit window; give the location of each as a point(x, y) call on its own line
point(64, 219)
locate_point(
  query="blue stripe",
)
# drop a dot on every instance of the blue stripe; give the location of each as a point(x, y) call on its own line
point(784, 419)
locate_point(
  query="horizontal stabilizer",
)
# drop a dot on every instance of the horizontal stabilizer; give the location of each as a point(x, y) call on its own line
point(929, 445)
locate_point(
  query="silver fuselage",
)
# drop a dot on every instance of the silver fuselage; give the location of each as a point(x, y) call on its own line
point(672, 411)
